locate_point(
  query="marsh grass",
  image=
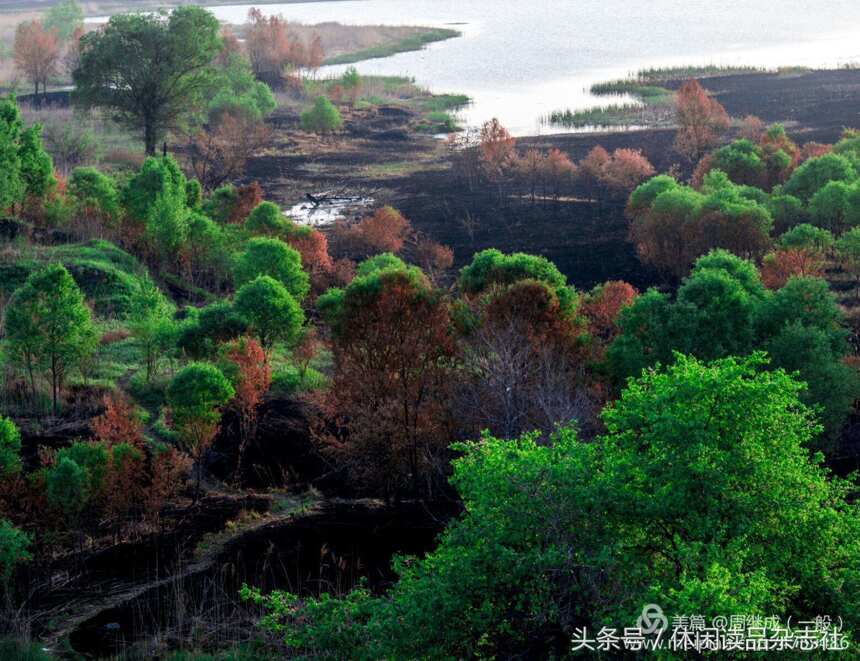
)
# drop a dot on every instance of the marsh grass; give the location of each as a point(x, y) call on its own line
point(411, 42)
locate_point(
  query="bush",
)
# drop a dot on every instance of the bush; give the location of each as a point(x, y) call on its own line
point(322, 118)
point(266, 218)
point(272, 257)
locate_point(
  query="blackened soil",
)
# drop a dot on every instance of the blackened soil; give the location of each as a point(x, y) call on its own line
point(586, 238)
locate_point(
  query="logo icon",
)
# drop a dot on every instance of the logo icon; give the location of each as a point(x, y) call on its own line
point(652, 620)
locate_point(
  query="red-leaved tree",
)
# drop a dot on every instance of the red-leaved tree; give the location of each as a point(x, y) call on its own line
point(701, 121)
point(385, 416)
point(253, 378)
point(37, 53)
point(777, 267)
point(118, 424)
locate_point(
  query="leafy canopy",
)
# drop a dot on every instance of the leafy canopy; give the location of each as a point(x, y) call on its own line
point(152, 69)
point(700, 497)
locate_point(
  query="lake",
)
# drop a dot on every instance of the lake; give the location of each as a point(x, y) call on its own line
point(521, 59)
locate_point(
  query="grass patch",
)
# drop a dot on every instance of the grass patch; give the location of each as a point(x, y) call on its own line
point(643, 92)
point(435, 111)
point(412, 42)
point(627, 114)
point(444, 102)
point(108, 276)
point(663, 74)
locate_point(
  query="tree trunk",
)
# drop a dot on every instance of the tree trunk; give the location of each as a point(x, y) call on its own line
point(149, 136)
point(54, 380)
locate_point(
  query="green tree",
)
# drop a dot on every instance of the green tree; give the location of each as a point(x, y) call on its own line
point(266, 218)
point(700, 497)
point(14, 544)
point(270, 311)
point(204, 247)
point(48, 326)
point(152, 69)
point(37, 169)
point(167, 227)
point(64, 18)
point(848, 249)
point(10, 448)
point(68, 487)
point(741, 161)
point(492, 267)
point(239, 93)
point(807, 237)
point(786, 211)
point(195, 396)
point(323, 117)
point(816, 357)
point(158, 177)
point(11, 183)
point(816, 173)
point(94, 191)
point(152, 326)
point(211, 326)
point(275, 258)
point(829, 207)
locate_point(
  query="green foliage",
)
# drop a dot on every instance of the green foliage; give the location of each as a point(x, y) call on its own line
point(152, 326)
point(213, 325)
point(700, 497)
point(848, 248)
point(741, 161)
point(741, 270)
point(205, 244)
point(12, 185)
point(193, 194)
point(492, 267)
point(10, 448)
point(815, 354)
point(67, 487)
point(92, 189)
point(644, 194)
point(158, 178)
point(381, 262)
point(274, 258)
point(266, 218)
point(720, 314)
point(239, 93)
point(722, 309)
point(92, 458)
point(815, 173)
point(322, 118)
point(108, 276)
point(64, 18)
point(829, 207)
point(37, 169)
point(220, 203)
point(196, 394)
point(13, 549)
point(786, 210)
point(48, 326)
point(116, 68)
point(807, 237)
point(17, 650)
point(270, 311)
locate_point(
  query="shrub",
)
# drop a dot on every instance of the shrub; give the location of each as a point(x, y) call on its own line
point(322, 118)
point(266, 218)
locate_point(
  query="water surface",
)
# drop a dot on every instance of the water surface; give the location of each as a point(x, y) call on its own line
point(520, 59)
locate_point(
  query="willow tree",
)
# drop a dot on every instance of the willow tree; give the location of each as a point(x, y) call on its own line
point(153, 70)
